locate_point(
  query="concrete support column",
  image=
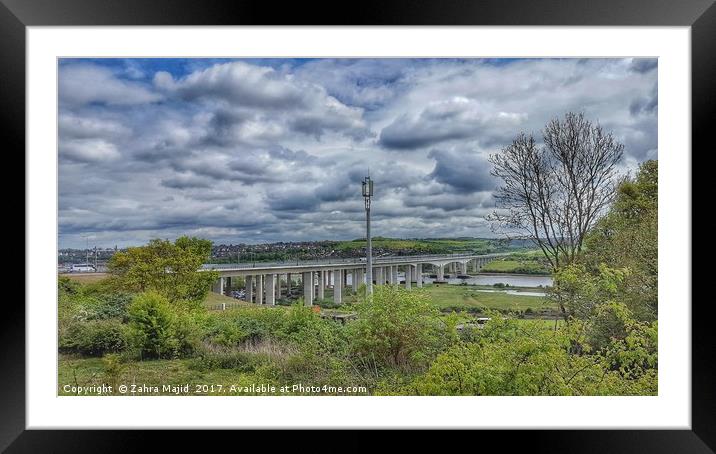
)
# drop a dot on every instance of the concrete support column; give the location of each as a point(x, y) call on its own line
point(259, 289)
point(354, 280)
point(361, 277)
point(419, 274)
point(379, 276)
point(249, 289)
point(441, 273)
point(337, 286)
point(288, 284)
point(386, 275)
point(408, 276)
point(307, 289)
point(227, 286)
point(216, 288)
point(321, 285)
point(394, 271)
point(271, 289)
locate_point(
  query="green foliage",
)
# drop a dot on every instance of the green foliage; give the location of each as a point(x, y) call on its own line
point(397, 327)
point(627, 237)
point(94, 338)
point(170, 269)
point(509, 357)
point(152, 324)
point(578, 291)
point(113, 369)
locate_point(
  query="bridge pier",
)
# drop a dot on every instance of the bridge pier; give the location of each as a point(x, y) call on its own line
point(441, 273)
point(249, 289)
point(338, 286)
point(259, 288)
point(419, 275)
point(322, 285)
point(270, 289)
point(307, 288)
point(408, 276)
point(361, 277)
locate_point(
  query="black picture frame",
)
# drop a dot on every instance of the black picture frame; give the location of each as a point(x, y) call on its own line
point(16, 15)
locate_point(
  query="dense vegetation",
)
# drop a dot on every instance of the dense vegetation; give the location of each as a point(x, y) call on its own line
point(147, 324)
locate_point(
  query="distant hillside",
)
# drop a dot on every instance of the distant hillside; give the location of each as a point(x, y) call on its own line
point(396, 246)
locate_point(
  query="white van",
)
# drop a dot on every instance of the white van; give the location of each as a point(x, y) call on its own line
point(82, 268)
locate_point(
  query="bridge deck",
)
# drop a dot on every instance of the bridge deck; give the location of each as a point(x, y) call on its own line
point(350, 263)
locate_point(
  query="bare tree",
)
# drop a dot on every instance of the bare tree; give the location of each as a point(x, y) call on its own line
point(553, 193)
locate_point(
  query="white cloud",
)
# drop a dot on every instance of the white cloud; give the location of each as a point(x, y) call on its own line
point(88, 83)
point(242, 151)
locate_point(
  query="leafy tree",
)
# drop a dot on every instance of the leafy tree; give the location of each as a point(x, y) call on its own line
point(627, 237)
point(171, 269)
point(579, 291)
point(553, 194)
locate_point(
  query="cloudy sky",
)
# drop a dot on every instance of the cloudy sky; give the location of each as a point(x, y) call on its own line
point(274, 150)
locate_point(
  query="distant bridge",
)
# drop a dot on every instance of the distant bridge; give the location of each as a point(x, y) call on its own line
point(267, 281)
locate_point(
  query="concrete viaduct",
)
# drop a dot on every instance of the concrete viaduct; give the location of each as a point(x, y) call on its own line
point(267, 282)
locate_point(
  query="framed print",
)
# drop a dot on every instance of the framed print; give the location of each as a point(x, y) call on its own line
point(238, 218)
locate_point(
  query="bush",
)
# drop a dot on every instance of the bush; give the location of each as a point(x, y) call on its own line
point(223, 330)
point(94, 338)
point(396, 327)
point(151, 322)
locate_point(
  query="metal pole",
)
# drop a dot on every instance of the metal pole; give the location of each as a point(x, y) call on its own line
point(369, 270)
point(367, 194)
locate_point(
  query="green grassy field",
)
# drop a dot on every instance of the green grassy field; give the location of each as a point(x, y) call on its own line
point(468, 297)
point(85, 278)
point(422, 246)
point(461, 296)
point(213, 299)
point(168, 376)
point(516, 267)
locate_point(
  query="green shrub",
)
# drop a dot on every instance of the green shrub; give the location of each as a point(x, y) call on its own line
point(224, 330)
point(94, 338)
point(397, 327)
point(151, 322)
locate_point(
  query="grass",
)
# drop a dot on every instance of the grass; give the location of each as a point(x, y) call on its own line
point(214, 299)
point(85, 278)
point(515, 266)
point(465, 297)
point(170, 377)
point(461, 296)
point(159, 372)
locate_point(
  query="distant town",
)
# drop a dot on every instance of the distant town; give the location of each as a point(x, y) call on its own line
point(96, 258)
